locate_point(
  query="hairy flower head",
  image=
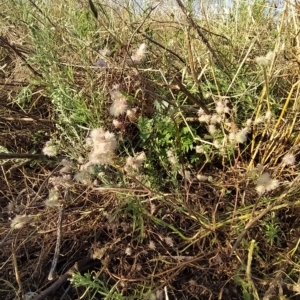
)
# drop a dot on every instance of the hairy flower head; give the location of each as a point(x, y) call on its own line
point(134, 163)
point(265, 60)
point(215, 119)
point(268, 115)
point(19, 221)
point(67, 166)
point(103, 145)
point(201, 177)
point(221, 107)
point(50, 149)
point(289, 159)
point(84, 176)
point(172, 157)
point(140, 54)
point(212, 129)
point(169, 241)
point(52, 198)
point(241, 136)
point(151, 245)
point(117, 123)
point(131, 113)
point(265, 183)
point(204, 118)
point(119, 105)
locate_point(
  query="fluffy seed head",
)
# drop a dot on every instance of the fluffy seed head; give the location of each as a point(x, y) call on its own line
point(201, 112)
point(268, 115)
point(241, 136)
point(259, 120)
point(220, 108)
point(212, 129)
point(134, 163)
point(128, 251)
point(52, 198)
point(274, 183)
point(215, 119)
point(204, 118)
point(169, 241)
point(217, 144)
point(199, 149)
point(265, 60)
point(264, 179)
point(289, 159)
point(102, 144)
point(202, 177)
point(118, 107)
point(131, 113)
point(249, 123)
point(19, 221)
point(140, 54)
point(172, 158)
point(151, 245)
point(83, 177)
point(266, 184)
point(260, 189)
point(50, 149)
point(117, 123)
point(67, 166)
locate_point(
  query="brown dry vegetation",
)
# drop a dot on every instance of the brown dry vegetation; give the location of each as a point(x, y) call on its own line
point(158, 233)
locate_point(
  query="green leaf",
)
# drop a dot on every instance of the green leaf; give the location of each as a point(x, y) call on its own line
point(93, 8)
point(146, 127)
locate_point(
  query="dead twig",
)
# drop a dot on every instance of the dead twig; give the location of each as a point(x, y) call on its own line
point(202, 36)
point(7, 45)
point(48, 123)
point(14, 259)
point(190, 96)
point(20, 155)
point(80, 266)
point(58, 240)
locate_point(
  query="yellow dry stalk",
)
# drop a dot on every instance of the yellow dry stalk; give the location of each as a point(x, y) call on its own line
point(255, 146)
point(286, 130)
point(284, 107)
point(285, 133)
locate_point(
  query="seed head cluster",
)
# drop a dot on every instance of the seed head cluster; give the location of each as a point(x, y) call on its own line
point(266, 184)
point(103, 145)
point(53, 198)
point(119, 105)
point(134, 163)
point(235, 135)
point(19, 221)
point(289, 159)
point(50, 149)
point(265, 60)
point(140, 54)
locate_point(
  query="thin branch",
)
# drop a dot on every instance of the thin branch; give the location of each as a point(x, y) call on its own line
point(80, 266)
point(162, 46)
point(202, 36)
point(14, 259)
point(190, 96)
point(5, 44)
point(20, 155)
point(58, 240)
point(2, 99)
